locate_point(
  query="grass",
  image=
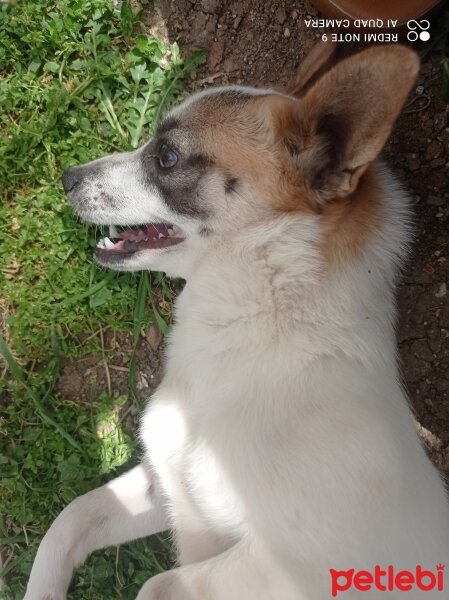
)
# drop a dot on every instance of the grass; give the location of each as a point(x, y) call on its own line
point(78, 79)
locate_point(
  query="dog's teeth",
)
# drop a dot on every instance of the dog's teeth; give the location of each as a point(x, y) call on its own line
point(108, 243)
point(161, 235)
point(113, 233)
point(100, 243)
point(170, 231)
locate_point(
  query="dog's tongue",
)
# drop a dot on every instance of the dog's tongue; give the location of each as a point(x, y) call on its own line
point(151, 236)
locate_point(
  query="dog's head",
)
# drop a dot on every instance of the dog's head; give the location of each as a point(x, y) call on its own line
point(232, 158)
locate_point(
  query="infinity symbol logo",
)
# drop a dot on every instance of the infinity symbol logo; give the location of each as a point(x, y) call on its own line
point(413, 34)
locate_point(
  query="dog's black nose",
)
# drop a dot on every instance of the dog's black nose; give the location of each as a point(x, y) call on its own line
point(70, 179)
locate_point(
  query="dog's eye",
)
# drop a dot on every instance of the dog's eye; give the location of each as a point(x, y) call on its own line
point(167, 157)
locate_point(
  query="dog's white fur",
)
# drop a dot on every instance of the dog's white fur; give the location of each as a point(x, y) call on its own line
point(279, 444)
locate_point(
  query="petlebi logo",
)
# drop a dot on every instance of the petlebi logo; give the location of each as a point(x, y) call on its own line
point(388, 579)
point(417, 30)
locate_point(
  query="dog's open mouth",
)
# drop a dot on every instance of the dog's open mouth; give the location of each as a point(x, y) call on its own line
point(151, 236)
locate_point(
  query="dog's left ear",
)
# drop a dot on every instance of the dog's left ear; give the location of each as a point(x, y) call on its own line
point(339, 127)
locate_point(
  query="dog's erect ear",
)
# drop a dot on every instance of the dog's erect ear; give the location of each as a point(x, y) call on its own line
point(319, 60)
point(339, 127)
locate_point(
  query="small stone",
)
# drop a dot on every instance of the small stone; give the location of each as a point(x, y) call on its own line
point(429, 438)
point(237, 21)
point(413, 162)
point(154, 337)
point(442, 290)
point(440, 121)
point(211, 24)
point(287, 32)
point(434, 149)
point(295, 14)
point(142, 382)
point(215, 54)
point(281, 15)
point(419, 90)
point(444, 136)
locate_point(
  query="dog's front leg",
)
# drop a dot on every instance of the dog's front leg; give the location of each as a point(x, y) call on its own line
point(244, 572)
point(128, 507)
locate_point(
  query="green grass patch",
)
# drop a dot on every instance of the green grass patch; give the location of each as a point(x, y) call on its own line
point(78, 79)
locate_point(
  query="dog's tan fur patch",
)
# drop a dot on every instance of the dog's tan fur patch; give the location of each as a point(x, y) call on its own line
point(350, 223)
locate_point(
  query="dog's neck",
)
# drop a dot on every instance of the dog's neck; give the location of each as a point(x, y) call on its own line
point(281, 287)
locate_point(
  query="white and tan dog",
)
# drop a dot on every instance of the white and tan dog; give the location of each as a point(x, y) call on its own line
point(279, 447)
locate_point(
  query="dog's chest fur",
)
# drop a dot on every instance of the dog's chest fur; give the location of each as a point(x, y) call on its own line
point(220, 405)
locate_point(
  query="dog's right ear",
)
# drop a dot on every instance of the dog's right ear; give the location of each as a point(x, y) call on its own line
point(320, 59)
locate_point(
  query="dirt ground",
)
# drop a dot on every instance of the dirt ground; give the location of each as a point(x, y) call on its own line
point(261, 43)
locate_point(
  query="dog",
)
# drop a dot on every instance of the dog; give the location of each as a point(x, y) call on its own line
point(279, 447)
